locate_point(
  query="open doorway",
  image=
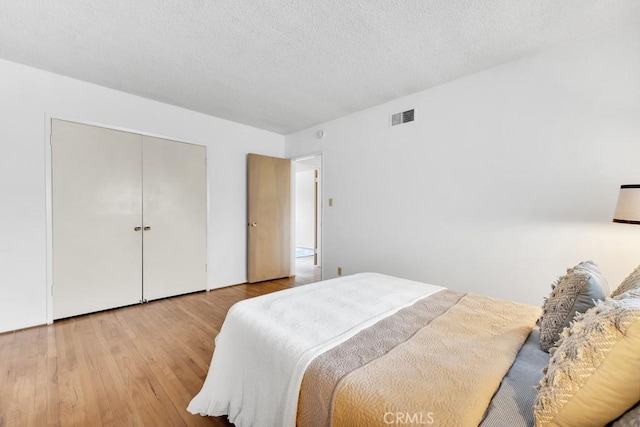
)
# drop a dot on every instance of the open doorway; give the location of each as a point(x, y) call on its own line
point(308, 218)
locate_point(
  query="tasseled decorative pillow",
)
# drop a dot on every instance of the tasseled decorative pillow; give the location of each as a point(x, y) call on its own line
point(631, 282)
point(575, 292)
point(593, 375)
point(630, 419)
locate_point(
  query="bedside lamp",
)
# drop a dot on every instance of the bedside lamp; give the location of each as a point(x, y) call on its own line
point(628, 206)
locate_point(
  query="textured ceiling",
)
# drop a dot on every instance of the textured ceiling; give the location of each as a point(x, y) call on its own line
point(285, 65)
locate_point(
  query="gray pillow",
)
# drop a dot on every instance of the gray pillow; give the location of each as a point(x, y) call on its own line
point(592, 268)
point(631, 282)
point(575, 292)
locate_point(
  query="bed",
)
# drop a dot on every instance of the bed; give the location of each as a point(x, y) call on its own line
point(371, 349)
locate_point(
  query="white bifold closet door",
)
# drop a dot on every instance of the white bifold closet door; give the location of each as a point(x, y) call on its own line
point(129, 218)
point(175, 218)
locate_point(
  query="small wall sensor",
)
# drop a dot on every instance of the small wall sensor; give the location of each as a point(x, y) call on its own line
point(320, 134)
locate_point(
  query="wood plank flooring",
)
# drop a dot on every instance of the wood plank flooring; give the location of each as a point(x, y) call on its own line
point(133, 366)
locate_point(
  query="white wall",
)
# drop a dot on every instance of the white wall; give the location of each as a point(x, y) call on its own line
point(305, 209)
point(27, 97)
point(506, 177)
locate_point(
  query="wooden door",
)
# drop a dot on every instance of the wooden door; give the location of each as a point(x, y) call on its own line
point(175, 218)
point(269, 218)
point(97, 218)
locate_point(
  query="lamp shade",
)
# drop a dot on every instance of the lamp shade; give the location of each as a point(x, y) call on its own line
point(628, 206)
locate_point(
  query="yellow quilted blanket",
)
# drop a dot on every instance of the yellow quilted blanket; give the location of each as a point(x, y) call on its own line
point(437, 363)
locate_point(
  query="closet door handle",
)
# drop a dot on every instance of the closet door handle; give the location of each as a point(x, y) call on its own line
point(147, 228)
point(138, 228)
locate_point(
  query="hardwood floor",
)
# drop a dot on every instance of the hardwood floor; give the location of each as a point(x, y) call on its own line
point(306, 272)
point(133, 366)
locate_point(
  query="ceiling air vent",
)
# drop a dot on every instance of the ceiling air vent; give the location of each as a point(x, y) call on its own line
point(400, 118)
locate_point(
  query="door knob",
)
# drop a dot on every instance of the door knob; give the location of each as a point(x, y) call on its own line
point(138, 228)
point(147, 228)
point(253, 224)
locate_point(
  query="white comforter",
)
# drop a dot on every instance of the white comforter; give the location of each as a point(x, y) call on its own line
point(266, 343)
